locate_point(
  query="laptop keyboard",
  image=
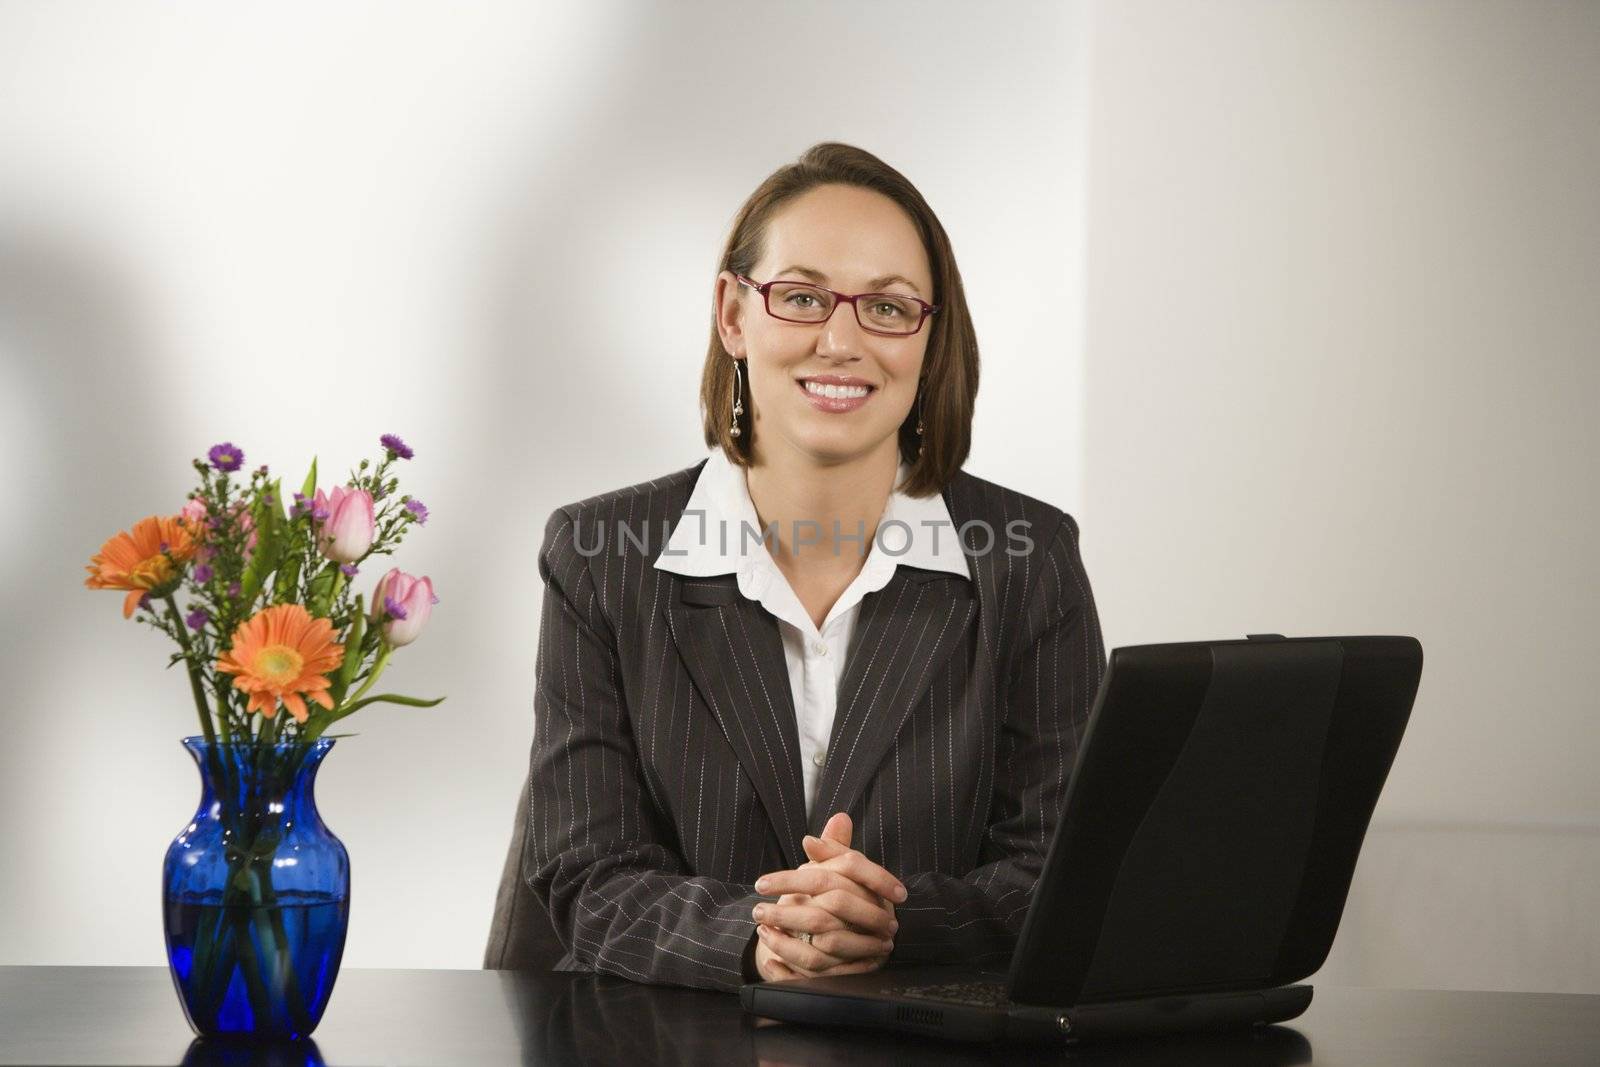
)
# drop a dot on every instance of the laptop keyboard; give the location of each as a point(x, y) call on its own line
point(983, 994)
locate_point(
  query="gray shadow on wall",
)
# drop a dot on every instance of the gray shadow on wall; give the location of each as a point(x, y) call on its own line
point(81, 368)
point(559, 406)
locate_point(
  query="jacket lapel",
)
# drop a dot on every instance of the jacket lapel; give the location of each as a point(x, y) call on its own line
point(904, 635)
point(734, 653)
point(732, 648)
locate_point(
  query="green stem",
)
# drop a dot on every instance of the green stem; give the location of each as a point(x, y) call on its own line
point(322, 719)
point(377, 668)
point(210, 941)
point(278, 966)
point(222, 715)
point(189, 665)
point(250, 967)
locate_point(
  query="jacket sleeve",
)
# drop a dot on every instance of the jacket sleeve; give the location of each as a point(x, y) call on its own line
point(1048, 693)
point(619, 895)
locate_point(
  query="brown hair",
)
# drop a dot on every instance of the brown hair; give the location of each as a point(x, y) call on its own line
point(949, 385)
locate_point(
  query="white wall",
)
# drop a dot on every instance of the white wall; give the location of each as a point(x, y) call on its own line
point(299, 227)
point(1289, 303)
point(1343, 266)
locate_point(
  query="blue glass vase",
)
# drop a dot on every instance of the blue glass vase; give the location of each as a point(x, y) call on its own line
point(256, 893)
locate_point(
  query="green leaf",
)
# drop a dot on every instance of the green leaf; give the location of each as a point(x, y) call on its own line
point(395, 698)
point(387, 698)
point(274, 493)
point(267, 516)
point(309, 487)
point(288, 580)
point(324, 587)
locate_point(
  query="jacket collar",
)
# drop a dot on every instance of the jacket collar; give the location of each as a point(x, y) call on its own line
point(720, 532)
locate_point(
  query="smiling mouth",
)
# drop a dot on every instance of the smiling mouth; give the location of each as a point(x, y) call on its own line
point(834, 392)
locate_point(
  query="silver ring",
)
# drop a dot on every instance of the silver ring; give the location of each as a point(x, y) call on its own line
point(804, 935)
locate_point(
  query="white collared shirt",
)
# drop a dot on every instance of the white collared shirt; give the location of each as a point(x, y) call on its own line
point(721, 534)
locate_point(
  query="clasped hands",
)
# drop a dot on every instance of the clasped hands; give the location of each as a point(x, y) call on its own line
point(844, 900)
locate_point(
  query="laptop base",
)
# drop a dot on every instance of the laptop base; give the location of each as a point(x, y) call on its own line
point(877, 1001)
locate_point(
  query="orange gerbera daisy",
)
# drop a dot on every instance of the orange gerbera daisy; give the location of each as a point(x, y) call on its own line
point(142, 560)
point(280, 653)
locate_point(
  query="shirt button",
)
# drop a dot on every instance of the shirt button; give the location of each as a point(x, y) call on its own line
point(819, 648)
point(819, 759)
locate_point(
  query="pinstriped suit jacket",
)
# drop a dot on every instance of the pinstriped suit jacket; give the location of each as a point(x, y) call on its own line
point(664, 775)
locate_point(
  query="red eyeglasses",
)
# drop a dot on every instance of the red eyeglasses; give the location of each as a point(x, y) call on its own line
point(888, 314)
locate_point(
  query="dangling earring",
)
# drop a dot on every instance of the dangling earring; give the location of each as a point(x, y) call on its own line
point(919, 414)
point(738, 390)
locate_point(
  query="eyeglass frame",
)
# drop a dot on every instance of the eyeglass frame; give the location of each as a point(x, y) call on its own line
point(765, 288)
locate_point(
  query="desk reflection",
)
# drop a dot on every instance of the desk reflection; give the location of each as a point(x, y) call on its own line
point(223, 1052)
point(565, 1018)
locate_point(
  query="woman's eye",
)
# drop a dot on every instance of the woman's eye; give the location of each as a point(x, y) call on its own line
point(801, 296)
point(885, 307)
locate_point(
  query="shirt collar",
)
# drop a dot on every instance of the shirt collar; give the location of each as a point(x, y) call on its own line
point(719, 532)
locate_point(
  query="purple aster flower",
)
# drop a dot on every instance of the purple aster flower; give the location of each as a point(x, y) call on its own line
point(349, 569)
point(418, 509)
point(197, 619)
point(202, 573)
point(225, 457)
point(144, 601)
point(395, 609)
point(396, 446)
point(233, 590)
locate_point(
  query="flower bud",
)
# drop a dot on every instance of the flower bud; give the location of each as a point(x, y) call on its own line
point(401, 604)
point(347, 532)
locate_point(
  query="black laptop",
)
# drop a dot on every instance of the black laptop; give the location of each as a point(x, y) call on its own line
point(1202, 857)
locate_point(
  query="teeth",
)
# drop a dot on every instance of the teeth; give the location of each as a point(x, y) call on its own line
point(835, 391)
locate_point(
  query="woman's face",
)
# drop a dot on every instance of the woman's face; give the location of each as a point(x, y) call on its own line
point(851, 240)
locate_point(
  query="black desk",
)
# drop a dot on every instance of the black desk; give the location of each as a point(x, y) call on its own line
point(130, 1015)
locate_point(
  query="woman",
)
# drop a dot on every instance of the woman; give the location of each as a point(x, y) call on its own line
point(827, 724)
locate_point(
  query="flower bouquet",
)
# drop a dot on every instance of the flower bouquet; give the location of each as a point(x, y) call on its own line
point(256, 889)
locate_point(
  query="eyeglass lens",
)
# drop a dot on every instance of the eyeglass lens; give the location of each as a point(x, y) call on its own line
point(885, 312)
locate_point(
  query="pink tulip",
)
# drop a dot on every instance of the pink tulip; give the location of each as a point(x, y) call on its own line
point(402, 604)
point(346, 533)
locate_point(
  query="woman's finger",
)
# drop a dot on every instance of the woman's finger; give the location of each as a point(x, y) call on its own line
point(773, 969)
point(837, 909)
point(795, 952)
point(809, 880)
point(868, 896)
point(828, 933)
point(848, 967)
point(853, 967)
point(850, 945)
point(795, 898)
point(862, 870)
point(819, 849)
point(866, 913)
